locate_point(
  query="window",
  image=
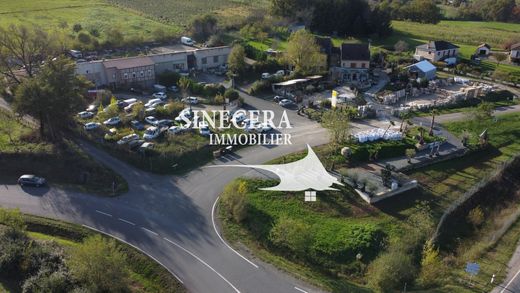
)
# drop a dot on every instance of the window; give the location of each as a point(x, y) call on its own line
point(133, 75)
point(438, 53)
point(353, 64)
point(125, 76)
point(142, 73)
point(204, 60)
point(87, 72)
point(310, 195)
point(363, 65)
point(215, 59)
point(149, 72)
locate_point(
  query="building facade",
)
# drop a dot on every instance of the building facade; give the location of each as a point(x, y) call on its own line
point(435, 51)
point(141, 71)
point(354, 63)
point(514, 55)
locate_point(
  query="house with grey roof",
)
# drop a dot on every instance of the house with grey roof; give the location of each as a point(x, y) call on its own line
point(422, 69)
point(435, 51)
point(514, 55)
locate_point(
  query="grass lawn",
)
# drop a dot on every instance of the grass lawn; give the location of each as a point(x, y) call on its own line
point(91, 14)
point(64, 163)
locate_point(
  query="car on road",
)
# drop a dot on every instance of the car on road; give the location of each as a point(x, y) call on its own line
point(252, 126)
point(31, 180)
point(160, 95)
point(151, 120)
point(137, 125)
point(91, 125)
point(85, 114)
point(191, 100)
point(151, 132)
point(112, 121)
point(128, 138)
point(285, 103)
point(204, 130)
point(176, 130)
point(264, 127)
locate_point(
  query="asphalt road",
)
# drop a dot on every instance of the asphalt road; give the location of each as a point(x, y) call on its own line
point(171, 217)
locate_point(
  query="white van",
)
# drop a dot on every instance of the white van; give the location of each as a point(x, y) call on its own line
point(187, 41)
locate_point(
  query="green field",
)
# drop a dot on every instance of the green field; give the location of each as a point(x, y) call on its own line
point(91, 14)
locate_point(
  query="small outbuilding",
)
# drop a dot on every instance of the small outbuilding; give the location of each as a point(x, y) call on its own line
point(423, 69)
point(483, 49)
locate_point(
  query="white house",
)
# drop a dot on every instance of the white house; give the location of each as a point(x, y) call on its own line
point(514, 55)
point(483, 50)
point(435, 51)
point(423, 69)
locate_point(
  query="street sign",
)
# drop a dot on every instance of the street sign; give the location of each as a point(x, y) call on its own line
point(472, 268)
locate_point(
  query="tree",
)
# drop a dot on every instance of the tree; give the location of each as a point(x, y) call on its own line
point(401, 46)
point(231, 95)
point(292, 234)
point(234, 200)
point(410, 153)
point(304, 53)
point(29, 46)
point(405, 117)
point(482, 112)
point(185, 85)
point(337, 121)
point(77, 27)
point(99, 264)
point(84, 38)
point(432, 268)
point(8, 124)
point(52, 97)
point(434, 113)
point(499, 57)
point(236, 61)
point(202, 27)
point(391, 270)
point(476, 217)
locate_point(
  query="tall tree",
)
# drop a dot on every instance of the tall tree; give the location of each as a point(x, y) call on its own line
point(337, 121)
point(236, 62)
point(304, 54)
point(52, 96)
point(434, 113)
point(25, 48)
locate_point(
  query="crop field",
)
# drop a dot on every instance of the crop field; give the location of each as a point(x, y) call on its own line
point(180, 12)
point(92, 15)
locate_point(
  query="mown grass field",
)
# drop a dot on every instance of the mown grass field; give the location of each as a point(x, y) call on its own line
point(91, 14)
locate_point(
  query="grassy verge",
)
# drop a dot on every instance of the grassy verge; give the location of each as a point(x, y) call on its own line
point(62, 163)
point(145, 273)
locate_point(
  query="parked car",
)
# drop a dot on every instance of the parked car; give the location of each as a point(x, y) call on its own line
point(131, 106)
point(165, 122)
point(121, 104)
point(191, 100)
point(85, 115)
point(128, 138)
point(92, 108)
point(91, 126)
point(280, 73)
point(137, 125)
point(175, 130)
point(112, 132)
point(160, 95)
point(263, 127)
point(239, 117)
point(266, 75)
point(31, 180)
point(151, 120)
point(152, 102)
point(277, 98)
point(135, 143)
point(184, 113)
point(146, 146)
point(150, 111)
point(174, 88)
point(187, 41)
point(112, 121)
point(151, 133)
point(204, 130)
point(252, 126)
point(285, 103)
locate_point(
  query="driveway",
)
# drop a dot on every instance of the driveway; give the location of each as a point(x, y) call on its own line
point(171, 218)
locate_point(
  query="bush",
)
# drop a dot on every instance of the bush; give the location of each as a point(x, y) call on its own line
point(293, 235)
point(231, 94)
point(260, 86)
point(234, 200)
point(390, 271)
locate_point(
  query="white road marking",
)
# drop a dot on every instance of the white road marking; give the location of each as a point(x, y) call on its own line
point(103, 213)
point(301, 290)
point(126, 221)
point(139, 249)
point(150, 231)
point(203, 262)
point(510, 281)
point(222, 239)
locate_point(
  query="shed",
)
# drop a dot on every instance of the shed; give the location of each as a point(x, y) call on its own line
point(484, 49)
point(423, 69)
